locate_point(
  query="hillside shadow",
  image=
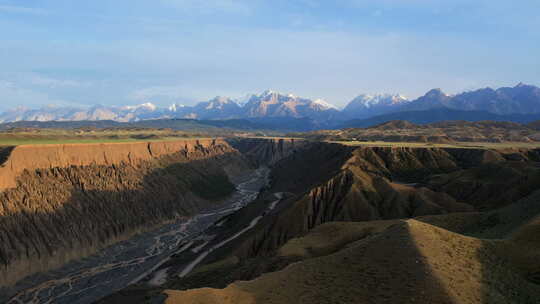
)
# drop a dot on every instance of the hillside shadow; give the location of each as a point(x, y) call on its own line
point(387, 268)
point(5, 152)
point(60, 214)
point(484, 266)
point(510, 254)
point(408, 263)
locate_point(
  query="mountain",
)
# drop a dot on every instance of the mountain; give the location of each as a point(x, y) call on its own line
point(521, 99)
point(217, 108)
point(436, 115)
point(269, 104)
point(98, 112)
point(517, 104)
point(274, 104)
point(365, 106)
point(434, 99)
point(520, 104)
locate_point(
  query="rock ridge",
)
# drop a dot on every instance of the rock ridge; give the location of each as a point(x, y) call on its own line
point(32, 157)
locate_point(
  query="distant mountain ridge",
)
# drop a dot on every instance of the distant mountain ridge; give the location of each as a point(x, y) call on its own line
point(269, 104)
point(520, 104)
point(437, 115)
point(521, 99)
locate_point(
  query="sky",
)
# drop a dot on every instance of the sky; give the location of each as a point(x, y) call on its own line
point(125, 52)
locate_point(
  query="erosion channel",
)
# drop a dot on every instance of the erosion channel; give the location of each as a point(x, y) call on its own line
point(188, 181)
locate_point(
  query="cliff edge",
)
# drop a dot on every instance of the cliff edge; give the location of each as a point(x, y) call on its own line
point(31, 157)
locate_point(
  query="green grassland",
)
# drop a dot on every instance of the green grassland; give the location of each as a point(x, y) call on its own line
point(63, 136)
point(55, 141)
point(47, 136)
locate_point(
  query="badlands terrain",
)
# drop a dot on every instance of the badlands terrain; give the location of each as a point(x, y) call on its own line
point(373, 225)
point(269, 220)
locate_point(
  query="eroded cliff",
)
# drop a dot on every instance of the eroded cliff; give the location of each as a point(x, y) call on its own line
point(60, 202)
point(352, 184)
point(262, 151)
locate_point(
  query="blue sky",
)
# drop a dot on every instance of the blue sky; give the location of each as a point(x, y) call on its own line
point(120, 52)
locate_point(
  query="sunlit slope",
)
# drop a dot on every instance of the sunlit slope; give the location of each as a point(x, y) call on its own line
point(409, 262)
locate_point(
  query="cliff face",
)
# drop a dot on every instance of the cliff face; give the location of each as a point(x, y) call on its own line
point(267, 151)
point(61, 202)
point(336, 183)
point(360, 188)
point(4, 154)
point(21, 158)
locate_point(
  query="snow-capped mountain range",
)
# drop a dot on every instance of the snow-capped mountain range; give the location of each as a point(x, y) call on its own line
point(521, 99)
point(365, 105)
point(265, 105)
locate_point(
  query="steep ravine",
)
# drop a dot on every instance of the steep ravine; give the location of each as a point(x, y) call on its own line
point(63, 202)
point(262, 151)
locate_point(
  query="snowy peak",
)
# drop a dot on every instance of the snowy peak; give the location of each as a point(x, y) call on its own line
point(274, 104)
point(366, 105)
point(222, 100)
point(176, 107)
point(219, 103)
point(267, 93)
point(324, 104)
point(368, 101)
point(271, 95)
point(519, 99)
point(145, 106)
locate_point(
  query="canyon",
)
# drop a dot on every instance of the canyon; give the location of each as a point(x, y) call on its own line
point(64, 202)
point(367, 225)
point(170, 221)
